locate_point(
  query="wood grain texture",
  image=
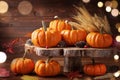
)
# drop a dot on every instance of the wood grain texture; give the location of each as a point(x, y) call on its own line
point(13, 24)
point(73, 51)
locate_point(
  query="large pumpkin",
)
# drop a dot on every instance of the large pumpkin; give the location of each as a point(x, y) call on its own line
point(48, 38)
point(73, 36)
point(47, 68)
point(59, 25)
point(22, 65)
point(99, 40)
point(95, 69)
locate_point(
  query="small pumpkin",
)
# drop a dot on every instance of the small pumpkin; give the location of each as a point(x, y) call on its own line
point(73, 36)
point(99, 39)
point(22, 65)
point(47, 67)
point(95, 69)
point(45, 38)
point(59, 25)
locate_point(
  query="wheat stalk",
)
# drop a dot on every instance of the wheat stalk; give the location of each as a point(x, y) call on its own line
point(88, 22)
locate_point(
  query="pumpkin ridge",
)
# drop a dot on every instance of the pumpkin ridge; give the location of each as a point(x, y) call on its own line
point(19, 64)
point(22, 67)
point(46, 39)
point(39, 37)
point(13, 68)
point(36, 67)
point(34, 38)
point(41, 69)
point(57, 24)
point(100, 69)
point(52, 68)
point(61, 25)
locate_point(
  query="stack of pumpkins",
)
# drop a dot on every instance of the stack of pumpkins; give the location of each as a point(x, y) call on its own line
point(49, 37)
point(58, 30)
point(61, 30)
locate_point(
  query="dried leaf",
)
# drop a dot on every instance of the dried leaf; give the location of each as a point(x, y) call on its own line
point(27, 77)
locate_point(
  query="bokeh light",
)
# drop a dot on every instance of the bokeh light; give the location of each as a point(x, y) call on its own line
point(108, 9)
point(114, 4)
point(119, 29)
point(25, 7)
point(108, 3)
point(86, 1)
point(115, 12)
point(117, 25)
point(118, 38)
point(3, 57)
point(117, 74)
point(3, 7)
point(116, 57)
point(100, 4)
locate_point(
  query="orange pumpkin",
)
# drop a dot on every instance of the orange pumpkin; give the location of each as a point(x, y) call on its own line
point(22, 65)
point(95, 69)
point(99, 40)
point(73, 36)
point(45, 38)
point(59, 25)
point(47, 68)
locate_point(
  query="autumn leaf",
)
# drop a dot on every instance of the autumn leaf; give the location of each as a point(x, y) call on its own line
point(27, 77)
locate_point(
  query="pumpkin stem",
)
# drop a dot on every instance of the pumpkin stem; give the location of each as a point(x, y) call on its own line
point(44, 26)
point(72, 27)
point(56, 17)
point(26, 51)
point(101, 29)
point(48, 59)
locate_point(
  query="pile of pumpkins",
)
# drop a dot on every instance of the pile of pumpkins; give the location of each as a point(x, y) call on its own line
point(42, 68)
point(50, 67)
point(61, 30)
point(49, 37)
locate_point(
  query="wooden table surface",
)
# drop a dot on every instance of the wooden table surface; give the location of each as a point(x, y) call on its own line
point(22, 77)
point(12, 76)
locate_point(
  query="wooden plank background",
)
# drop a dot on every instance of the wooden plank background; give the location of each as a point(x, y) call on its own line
point(13, 24)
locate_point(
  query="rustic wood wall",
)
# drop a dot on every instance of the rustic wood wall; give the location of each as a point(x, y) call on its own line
point(13, 24)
